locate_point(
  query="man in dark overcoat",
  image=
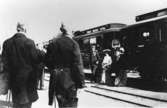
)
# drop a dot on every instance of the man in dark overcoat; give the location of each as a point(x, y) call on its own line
point(63, 58)
point(20, 59)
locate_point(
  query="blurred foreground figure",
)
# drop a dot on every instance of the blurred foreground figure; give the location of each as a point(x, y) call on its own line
point(63, 58)
point(20, 60)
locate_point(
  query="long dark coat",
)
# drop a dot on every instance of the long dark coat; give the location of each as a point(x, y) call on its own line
point(65, 52)
point(20, 58)
point(41, 56)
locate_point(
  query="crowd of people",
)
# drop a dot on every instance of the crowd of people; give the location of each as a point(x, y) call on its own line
point(24, 65)
point(105, 63)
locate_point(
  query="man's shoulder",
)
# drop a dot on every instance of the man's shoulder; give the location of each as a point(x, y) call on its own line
point(63, 40)
point(8, 41)
point(19, 35)
point(59, 39)
point(24, 38)
point(29, 41)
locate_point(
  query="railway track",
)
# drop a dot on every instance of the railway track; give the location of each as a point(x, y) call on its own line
point(140, 98)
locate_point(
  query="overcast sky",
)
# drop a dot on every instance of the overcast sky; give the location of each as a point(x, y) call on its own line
point(43, 17)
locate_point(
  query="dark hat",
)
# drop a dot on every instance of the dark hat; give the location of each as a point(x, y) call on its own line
point(20, 27)
point(63, 29)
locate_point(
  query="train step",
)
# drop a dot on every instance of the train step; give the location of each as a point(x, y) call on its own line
point(130, 95)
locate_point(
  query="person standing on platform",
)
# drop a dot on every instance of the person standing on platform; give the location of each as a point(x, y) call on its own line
point(63, 58)
point(41, 66)
point(20, 60)
point(94, 63)
point(107, 61)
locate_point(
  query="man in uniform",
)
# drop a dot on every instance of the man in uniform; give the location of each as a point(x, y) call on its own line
point(20, 60)
point(63, 58)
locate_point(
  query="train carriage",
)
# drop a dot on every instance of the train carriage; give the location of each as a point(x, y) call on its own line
point(100, 38)
point(146, 45)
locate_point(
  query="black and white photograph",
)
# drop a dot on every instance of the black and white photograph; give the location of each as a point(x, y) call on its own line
point(83, 53)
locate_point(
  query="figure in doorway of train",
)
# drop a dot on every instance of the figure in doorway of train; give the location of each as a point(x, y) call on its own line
point(118, 52)
point(119, 64)
point(106, 64)
point(98, 71)
point(94, 63)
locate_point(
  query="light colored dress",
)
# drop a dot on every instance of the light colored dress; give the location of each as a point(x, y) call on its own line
point(105, 64)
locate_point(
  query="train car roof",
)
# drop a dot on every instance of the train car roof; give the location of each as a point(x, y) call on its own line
point(98, 33)
point(144, 22)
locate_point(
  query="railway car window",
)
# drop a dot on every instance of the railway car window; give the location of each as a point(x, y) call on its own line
point(145, 35)
point(163, 32)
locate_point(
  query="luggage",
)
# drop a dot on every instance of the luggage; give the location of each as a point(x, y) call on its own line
point(121, 78)
point(3, 83)
point(3, 80)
